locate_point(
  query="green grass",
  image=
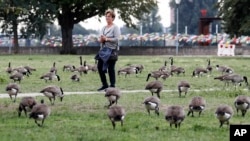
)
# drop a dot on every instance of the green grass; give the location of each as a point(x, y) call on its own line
point(83, 117)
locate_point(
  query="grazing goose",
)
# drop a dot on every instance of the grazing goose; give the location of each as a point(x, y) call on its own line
point(50, 76)
point(112, 94)
point(94, 67)
point(13, 89)
point(139, 67)
point(224, 69)
point(40, 112)
point(198, 72)
point(221, 78)
point(223, 113)
point(155, 87)
point(166, 74)
point(175, 69)
point(51, 92)
point(236, 79)
point(242, 103)
point(9, 69)
point(175, 115)
point(22, 70)
point(155, 74)
point(75, 78)
point(163, 68)
point(209, 67)
point(116, 113)
point(29, 69)
point(17, 76)
point(183, 86)
point(69, 68)
point(197, 104)
point(127, 71)
point(53, 69)
point(26, 105)
point(152, 103)
point(178, 71)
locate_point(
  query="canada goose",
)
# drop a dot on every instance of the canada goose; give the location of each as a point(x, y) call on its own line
point(163, 68)
point(40, 112)
point(175, 115)
point(154, 87)
point(26, 105)
point(224, 113)
point(21, 70)
point(116, 113)
point(166, 74)
point(53, 69)
point(178, 70)
point(9, 69)
point(242, 103)
point(30, 69)
point(112, 94)
point(175, 69)
point(69, 68)
point(139, 67)
point(13, 89)
point(197, 104)
point(152, 103)
point(94, 67)
point(17, 76)
point(75, 78)
point(155, 74)
point(127, 71)
point(236, 79)
point(222, 78)
point(209, 67)
point(199, 72)
point(224, 69)
point(183, 86)
point(51, 92)
point(50, 76)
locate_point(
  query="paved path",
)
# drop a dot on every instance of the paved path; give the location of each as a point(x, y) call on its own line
point(5, 95)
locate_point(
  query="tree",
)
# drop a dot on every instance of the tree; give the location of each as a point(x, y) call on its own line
point(151, 21)
point(33, 14)
point(9, 13)
point(71, 12)
point(235, 16)
point(189, 14)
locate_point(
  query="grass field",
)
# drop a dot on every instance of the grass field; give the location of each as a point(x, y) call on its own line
point(83, 117)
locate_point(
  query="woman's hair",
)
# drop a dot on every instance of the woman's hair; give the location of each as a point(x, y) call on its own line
point(111, 12)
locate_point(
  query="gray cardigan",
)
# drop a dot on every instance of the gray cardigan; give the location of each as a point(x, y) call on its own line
point(113, 33)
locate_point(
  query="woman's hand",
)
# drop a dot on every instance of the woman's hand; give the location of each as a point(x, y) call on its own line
point(102, 38)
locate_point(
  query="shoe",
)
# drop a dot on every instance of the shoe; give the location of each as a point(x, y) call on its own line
point(112, 86)
point(102, 88)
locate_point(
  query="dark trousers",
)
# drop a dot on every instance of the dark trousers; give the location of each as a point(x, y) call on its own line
point(111, 72)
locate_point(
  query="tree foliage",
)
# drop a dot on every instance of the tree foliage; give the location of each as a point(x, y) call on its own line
point(235, 16)
point(32, 14)
point(71, 12)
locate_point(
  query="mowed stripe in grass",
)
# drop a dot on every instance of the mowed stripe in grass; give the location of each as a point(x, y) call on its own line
point(83, 117)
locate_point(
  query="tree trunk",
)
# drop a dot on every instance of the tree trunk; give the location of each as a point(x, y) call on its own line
point(67, 25)
point(15, 38)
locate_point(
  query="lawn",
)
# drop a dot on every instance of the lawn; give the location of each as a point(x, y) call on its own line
point(84, 117)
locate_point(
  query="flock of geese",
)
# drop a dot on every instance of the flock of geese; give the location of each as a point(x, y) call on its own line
point(174, 114)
